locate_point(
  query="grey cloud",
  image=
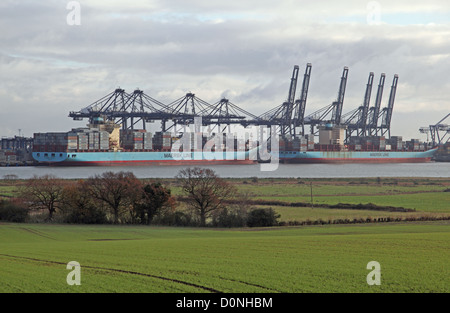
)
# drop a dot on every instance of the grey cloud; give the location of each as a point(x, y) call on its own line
point(168, 48)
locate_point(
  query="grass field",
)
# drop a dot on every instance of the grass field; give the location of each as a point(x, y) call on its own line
point(429, 197)
point(332, 258)
point(426, 196)
point(324, 258)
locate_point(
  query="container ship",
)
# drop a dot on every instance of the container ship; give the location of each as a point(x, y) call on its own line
point(354, 156)
point(334, 147)
point(443, 153)
point(108, 145)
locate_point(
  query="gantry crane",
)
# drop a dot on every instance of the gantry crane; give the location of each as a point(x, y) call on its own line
point(125, 109)
point(289, 117)
point(439, 132)
point(300, 103)
point(386, 114)
point(320, 116)
point(374, 112)
point(357, 120)
point(282, 114)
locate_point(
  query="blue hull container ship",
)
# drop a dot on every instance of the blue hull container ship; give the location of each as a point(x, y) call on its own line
point(334, 147)
point(99, 147)
point(107, 146)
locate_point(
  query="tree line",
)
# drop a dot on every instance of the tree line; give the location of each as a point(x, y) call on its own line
point(122, 198)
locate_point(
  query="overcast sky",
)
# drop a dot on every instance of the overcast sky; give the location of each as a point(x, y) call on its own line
point(242, 50)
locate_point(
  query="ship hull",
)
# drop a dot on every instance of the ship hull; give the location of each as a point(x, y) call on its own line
point(152, 163)
point(233, 158)
point(141, 158)
point(357, 156)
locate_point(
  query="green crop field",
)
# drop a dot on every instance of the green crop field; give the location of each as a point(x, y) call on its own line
point(427, 196)
point(328, 258)
point(291, 259)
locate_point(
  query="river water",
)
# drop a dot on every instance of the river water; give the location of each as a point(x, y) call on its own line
point(432, 169)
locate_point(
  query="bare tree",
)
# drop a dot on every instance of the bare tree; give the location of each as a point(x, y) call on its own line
point(80, 206)
point(76, 195)
point(44, 192)
point(155, 199)
point(117, 190)
point(206, 191)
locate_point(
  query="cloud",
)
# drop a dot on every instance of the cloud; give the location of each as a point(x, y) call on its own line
point(242, 50)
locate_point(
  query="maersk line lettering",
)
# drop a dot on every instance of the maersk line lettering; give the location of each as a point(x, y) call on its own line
point(177, 155)
point(379, 154)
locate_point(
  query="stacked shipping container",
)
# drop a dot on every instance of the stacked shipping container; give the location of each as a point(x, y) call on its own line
point(379, 142)
point(414, 144)
point(78, 139)
point(50, 142)
point(7, 156)
point(136, 139)
point(162, 141)
point(368, 143)
point(300, 144)
point(396, 142)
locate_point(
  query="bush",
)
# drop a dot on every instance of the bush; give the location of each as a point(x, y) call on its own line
point(262, 218)
point(229, 218)
point(10, 177)
point(12, 212)
point(86, 216)
point(176, 218)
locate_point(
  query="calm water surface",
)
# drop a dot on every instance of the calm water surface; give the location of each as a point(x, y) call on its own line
point(432, 169)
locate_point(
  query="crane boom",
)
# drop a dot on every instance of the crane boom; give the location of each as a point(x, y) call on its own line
point(300, 103)
point(387, 112)
point(375, 111)
point(288, 106)
point(362, 122)
point(337, 112)
point(436, 137)
point(293, 85)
